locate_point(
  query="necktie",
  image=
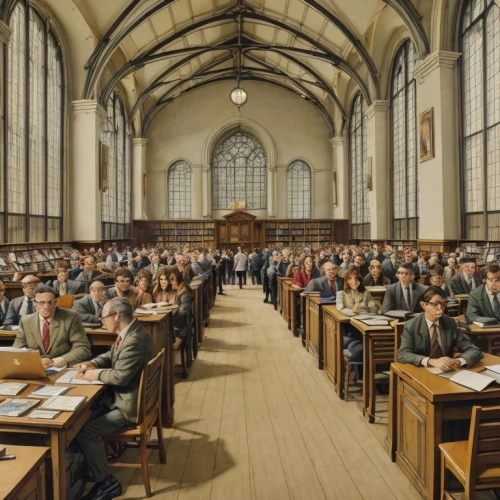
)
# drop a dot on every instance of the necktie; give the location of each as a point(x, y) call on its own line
point(30, 307)
point(496, 305)
point(436, 351)
point(46, 335)
point(333, 289)
point(408, 299)
point(470, 284)
point(118, 342)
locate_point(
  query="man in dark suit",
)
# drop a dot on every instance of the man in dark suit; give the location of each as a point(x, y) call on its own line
point(63, 285)
point(408, 259)
point(403, 296)
point(89, 272)
point(256, 266)
point(360, 263)
point(390, 266)
point(90, 307)
point(328, 285)
point(20, 306)
point(429, 339)
point(466, 281)
point(375, 254)
point(121, 369)
point(484, 300)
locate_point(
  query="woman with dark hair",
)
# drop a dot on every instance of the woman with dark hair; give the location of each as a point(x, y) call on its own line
point(181, 293)
point(307, 272)
point(162, 291)
point(144, 279)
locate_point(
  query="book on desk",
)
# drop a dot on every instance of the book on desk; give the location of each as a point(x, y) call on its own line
point(484, 322)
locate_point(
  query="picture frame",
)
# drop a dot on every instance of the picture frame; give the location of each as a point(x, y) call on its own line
point(369, 175)
point(426, 135)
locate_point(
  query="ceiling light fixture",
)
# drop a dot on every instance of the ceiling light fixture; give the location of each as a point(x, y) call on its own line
point(238, 95)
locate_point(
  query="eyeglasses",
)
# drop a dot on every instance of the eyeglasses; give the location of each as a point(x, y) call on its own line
point(108, 315)
point(493, 280)
point(98, 290)
point(48, 302)
point(30, 287)
point(404, 273)
point(436, 305)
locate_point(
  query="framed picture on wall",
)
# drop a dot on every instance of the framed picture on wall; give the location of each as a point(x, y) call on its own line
point(426, 135)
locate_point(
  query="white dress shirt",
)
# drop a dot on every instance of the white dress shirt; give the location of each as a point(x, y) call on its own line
point(62, 288)
point(425, 361)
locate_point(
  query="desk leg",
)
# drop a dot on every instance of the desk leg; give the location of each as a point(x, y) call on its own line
point(367, 378)
point(58, 451)
point(393, 416)
point(434, 437)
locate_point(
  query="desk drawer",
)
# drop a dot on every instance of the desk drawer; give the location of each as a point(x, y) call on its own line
point(329, 322)
point(314, 308)
point(414, 397)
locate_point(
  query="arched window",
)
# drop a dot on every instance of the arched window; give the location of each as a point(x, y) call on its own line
point(33, 193)
point(115, 201)
point(179, 191)
point(298, 190)
point(360, 211)
point(239, 173)
point(480, 42)
point(404, 141)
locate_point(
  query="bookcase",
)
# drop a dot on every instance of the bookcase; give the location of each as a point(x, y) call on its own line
point(178, 233)
point(313, 233)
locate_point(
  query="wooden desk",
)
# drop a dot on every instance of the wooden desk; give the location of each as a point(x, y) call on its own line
point(378, 348)
point(279, 284)
point(487, 339)
point(286, 285)
point(24, 477)
point(314, 328)
point(198, 317)
point(422, 407)
point(333, 345)
point(56, 434)
point(295, 302)
point(463, 300)
point(377, 294)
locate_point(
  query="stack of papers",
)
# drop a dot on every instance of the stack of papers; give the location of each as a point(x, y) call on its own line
point(63, 403)
point(70, 378)
point(48, 391)
point(12, 388)
point(471, 380)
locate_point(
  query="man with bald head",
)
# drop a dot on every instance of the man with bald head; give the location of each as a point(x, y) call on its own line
point(20, 306)
point(89, 308)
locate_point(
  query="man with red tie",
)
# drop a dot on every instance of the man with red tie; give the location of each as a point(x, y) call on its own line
point(57, 333)
point(429, 338)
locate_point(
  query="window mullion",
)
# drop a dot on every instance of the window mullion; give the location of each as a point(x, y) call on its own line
point(45, 131)
point(485, 124)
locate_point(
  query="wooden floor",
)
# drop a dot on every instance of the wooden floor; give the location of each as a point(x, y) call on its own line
point(257, 420)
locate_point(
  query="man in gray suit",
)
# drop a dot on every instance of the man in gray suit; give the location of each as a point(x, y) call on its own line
point(328, 285)
point(57, 333)
point(20, 306)
point(484, 300)
point(90, 307)
point(121, 369)
point(467, 281)
point(404, 296)
point(429, 339)
point(63, 285)
point(240, 266)
point(89, 272)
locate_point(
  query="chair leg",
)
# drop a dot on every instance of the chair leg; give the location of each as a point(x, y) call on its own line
point(347, 375)
point(161, 442)
point(183, 360)
point(144, 465)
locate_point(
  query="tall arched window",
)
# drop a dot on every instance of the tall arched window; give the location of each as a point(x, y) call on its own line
point(179, 191)
point(481, 120)
point(239, 173)
point(31, 199)
point(404, 141)
point(115, 201)
point(360, 211)
point(298, 190)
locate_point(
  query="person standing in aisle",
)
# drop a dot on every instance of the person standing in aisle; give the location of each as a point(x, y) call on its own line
point(240, 266)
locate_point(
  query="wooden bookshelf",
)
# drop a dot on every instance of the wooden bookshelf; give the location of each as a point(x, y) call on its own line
point(312, 233)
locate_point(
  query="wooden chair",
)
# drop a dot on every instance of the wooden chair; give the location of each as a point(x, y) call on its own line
point(398, 331)
point(476, 462)
point(148, 416)
point(349, 365)
point(65, 301)
point(180, 345)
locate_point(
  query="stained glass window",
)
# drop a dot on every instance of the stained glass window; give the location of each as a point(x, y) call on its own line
point(115, 200)
point(179, 191)
point(239, 173)
point(404, 144)
point(298, 190)
point(481, 120)
point(33, 131)
point(360, 211)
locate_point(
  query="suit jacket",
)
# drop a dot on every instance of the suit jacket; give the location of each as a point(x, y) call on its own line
point(416, 342)
point(240, 261)
point(7, 302)
point(86, 310)
point(321, 285)
point(72, 287)
point(394, 299)
point(131, 295)
point(67, 336)
point(86, 284)
point(389, 271)
point(13, 317)
point(382, 280)
point(460, 286)
point(122, 369)
point(479, 305)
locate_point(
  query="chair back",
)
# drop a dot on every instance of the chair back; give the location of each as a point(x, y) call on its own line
point(149, 399)
point(383, 350)
point(398, 331)
point(462, 306)
point(484, 450)
point(66, 301)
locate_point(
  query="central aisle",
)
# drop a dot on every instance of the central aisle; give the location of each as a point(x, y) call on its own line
point(256, 420)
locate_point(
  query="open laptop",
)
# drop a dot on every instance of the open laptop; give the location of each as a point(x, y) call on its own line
point(20, 364)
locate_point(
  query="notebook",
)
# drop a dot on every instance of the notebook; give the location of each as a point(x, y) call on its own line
point(48, 391)
point(69, 378)
point(63, 403)
point(483, 322)
point(472, 380)
point(12, 388)
point(16, 407)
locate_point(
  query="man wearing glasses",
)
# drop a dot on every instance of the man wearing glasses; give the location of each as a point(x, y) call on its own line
point(402, 297)
point(21, 306)
point(429, 339)
point(484, 300)
point(89, 308)
point(57, 333)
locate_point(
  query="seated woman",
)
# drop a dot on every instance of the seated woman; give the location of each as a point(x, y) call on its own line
point(182, 296)
point(307, 272)
point(354, 299)
point(429, 338)
point(162, 291)
point(144, 278)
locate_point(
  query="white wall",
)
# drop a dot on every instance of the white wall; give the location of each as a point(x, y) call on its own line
point(295, 126)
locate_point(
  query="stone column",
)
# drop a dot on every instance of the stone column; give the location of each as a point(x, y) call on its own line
point(197, 194)
point(139, 211)
point(438, 178)
point(84, 171)
point(271, 191)
point(377, 136)
point(340, 173)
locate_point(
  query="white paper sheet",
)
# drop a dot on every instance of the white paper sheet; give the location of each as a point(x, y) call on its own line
point(471, 380)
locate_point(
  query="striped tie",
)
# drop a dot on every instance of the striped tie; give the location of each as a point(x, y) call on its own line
point(436, 351)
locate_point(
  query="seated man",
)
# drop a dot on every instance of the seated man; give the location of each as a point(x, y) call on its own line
point(390, 266)
point(89, 308)
point(376, 254)
point(122, 288)
point(466, 281)
point(376, 277)
point(361, 265)
point(403, 296)
point(89, 272)
point(155, 264)
point(329, 284)
point(408, 259)
point(484, 300)
point(429, 338)
point(20, 306)
point(435, 277)
point(57, 333)
point(4, 303)
point(121, 369)
point(63, 285)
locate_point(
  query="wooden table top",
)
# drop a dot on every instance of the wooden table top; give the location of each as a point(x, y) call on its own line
point(333, 311)
point(65, 418)
point(477, 329)
point(366, 330)
point(28, 459)
point(439, 389)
